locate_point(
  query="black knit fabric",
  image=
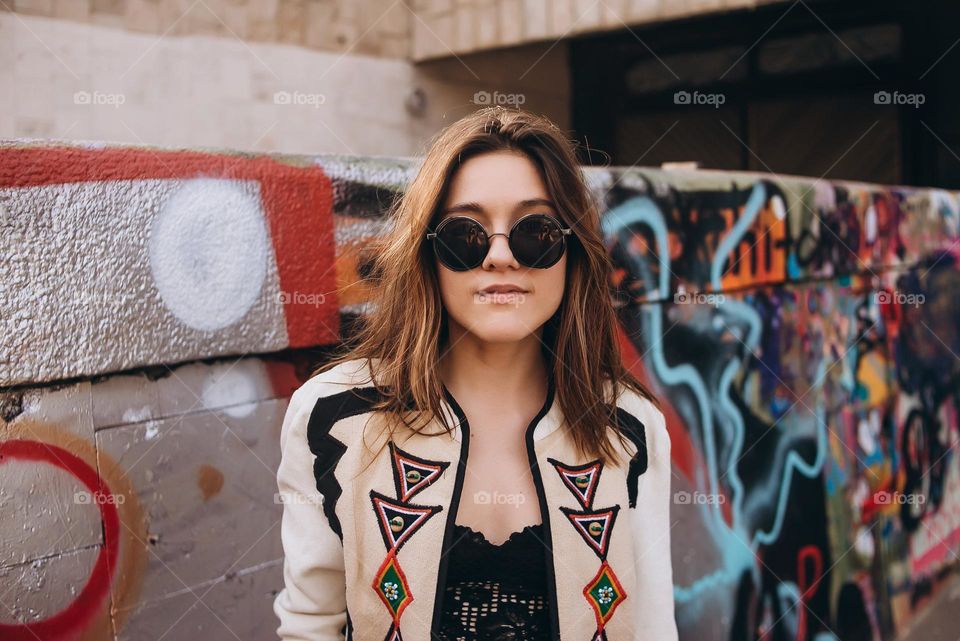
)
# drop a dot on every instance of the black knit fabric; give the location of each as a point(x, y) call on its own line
point(496, 592)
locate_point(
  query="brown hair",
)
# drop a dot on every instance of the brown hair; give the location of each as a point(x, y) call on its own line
point(581, 337)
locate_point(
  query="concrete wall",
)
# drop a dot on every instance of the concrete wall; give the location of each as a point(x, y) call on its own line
point(159, 307)
point(415, 29)
point(372, 27)
point(66, 79)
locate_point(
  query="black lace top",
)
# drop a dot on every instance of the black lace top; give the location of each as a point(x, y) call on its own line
point(496, 592)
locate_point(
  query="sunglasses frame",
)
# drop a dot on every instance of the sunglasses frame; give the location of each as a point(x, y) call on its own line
point(564, 232)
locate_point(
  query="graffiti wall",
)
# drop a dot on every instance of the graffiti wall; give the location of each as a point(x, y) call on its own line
point(160, 306)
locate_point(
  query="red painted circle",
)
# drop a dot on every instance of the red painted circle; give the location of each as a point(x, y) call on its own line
point(72, 620)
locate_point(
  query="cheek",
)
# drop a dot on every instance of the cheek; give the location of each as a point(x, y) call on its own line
point(455, 287)
point(551, 284)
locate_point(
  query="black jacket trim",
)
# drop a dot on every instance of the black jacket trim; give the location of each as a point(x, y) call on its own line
point(452, 513)
point(634, 430)
point(545, 513)
point(328, 450)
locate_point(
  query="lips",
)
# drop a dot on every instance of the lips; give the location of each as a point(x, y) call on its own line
point(503, 289)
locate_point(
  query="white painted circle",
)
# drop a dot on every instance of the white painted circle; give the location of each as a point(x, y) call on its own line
point(234, 388)
point(208, 252)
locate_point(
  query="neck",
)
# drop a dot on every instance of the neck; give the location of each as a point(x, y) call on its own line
point(504, 371)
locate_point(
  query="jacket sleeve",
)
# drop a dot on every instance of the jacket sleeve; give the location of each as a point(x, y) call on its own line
point(312, 605)
point(651, 524)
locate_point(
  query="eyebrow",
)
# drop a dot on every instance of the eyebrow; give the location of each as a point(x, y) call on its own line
point(477, 208)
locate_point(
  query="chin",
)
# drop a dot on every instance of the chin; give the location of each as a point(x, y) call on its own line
point(504, 330)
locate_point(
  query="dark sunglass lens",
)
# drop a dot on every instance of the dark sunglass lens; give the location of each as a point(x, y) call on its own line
point(461, 244)
point(537, 241)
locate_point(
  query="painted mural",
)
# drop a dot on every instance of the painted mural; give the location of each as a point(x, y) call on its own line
point(160, 306)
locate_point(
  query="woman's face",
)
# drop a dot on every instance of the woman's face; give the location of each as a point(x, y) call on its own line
point(496, 188)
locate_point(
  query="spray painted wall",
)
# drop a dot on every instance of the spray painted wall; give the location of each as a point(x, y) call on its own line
point(160, 306)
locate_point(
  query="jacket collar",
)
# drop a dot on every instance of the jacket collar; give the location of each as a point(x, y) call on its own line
point(548, 419)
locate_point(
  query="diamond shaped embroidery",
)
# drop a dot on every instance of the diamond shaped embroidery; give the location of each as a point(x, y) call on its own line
point(392, 587)
point(604, 593)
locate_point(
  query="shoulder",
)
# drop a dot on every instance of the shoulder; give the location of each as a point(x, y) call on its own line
point(643, 410)
point(311, 449)
point(639, 418)
point(642, 422)
point(335, 382)
point(339, 378)
point(344, 389)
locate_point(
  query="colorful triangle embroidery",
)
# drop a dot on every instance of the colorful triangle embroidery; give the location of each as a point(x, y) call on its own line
point(582, 480)
point(397, 520)
point(594, 527)
point(411, 474)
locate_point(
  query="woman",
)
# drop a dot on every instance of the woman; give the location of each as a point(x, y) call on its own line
point(434, 484)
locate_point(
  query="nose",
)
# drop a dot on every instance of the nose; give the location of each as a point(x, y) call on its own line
point(499, 253)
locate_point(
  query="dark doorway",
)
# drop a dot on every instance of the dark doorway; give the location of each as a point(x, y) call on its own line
point(842, 90)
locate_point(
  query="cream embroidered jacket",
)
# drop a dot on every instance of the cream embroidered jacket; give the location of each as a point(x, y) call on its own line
point(364, 548)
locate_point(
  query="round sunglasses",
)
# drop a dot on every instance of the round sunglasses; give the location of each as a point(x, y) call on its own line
point(536, 240)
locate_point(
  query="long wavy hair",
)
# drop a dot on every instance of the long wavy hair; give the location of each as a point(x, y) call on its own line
point(403, 335)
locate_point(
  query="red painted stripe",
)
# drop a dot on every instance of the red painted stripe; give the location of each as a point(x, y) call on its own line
point(298, 201)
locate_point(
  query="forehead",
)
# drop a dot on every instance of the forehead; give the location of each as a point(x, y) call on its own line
point(497, 181)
